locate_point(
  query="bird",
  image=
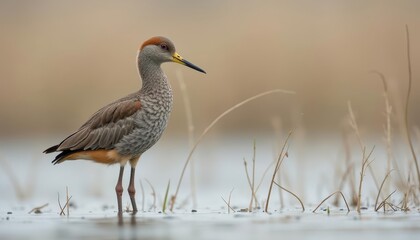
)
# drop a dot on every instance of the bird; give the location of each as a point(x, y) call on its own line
point(120, 132)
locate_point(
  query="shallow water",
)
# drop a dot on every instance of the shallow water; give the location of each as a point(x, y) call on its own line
point(310, 171)
point(208, 224)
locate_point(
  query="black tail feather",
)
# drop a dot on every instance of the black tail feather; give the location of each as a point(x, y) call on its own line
point(61, 156)
point(51, 149)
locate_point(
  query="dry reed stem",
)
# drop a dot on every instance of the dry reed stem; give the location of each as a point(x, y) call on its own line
point(281, 196)
point(410, 191)
point(276, 124)
point(263, 176)
point(249, 183)
point(261, 180)
point(165, 200)
point(404, 204)
point(380, 189)
point(413, 153)
point(416, 198)
point(37, 209)
point(154, 196)
point(294, 195)
point(354, 126)
point(392, 206)
point(190, 124)
point(228, 205)
point(384, 201)
point(142, 196)
point(230, 196)
point(280, 158)
point(67, 197)
point(348, 173)
point(207, 129)
point(228, 202)
point(66, 206)
point(365, 164)
point(325, 199)
point(387, 127)
point(62, 209)
point(59, 203)
point(253, 178)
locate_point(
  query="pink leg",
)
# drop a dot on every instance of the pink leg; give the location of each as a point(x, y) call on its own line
point(119, 190)
point(132, 190)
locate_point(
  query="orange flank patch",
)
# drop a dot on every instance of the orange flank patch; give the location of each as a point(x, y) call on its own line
point(152, 41)
point(99, 156)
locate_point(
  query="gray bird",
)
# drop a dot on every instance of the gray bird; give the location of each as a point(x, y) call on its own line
point(123, 130)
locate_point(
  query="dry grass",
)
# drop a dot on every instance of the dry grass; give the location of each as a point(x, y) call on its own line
point(38, 209)
point(408, 132)
point(228, 202)
point(365, 164)
point(294, 195)
point(406, 193)
point(251, 182)
point(190, 124)
point(142, 196)
point(283, 153)
point(207, 129)
point(385, 203)
point(348, 173)
point(353, 124)
point(66, 206)
point(325, 199)
point(153, 195)
point(165, 200)
point(380, 189)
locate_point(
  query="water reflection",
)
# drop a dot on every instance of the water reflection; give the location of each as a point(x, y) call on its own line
point(132, 220)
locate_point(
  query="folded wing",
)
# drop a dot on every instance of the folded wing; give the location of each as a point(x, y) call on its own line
point(104, 129)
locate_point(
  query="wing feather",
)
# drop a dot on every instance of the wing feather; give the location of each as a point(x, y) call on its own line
point(105, 128)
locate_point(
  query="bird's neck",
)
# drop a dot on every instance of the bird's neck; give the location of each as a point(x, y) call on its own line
point(153, 78)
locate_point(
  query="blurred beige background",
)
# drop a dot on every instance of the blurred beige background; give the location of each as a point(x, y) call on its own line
point(62, 60)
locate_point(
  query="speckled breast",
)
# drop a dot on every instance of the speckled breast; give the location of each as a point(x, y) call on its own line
point(150, 123)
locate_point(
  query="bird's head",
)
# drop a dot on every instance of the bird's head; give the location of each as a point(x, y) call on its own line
point(161, 49)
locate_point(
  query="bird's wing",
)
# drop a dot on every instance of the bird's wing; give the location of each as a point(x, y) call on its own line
point(105, 128)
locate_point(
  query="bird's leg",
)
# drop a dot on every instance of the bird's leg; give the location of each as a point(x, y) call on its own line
point(119, 190)
point(132, 190)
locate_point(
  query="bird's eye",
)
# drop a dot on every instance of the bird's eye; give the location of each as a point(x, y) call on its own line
point(164, 47)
